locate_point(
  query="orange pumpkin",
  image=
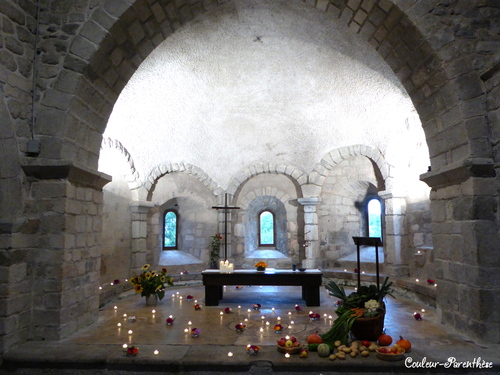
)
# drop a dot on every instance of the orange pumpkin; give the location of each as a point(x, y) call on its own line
point(405, 344)
point(384, 340)
point(314, 338)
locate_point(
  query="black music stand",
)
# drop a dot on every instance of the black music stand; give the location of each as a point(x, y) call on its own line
point(368, 241)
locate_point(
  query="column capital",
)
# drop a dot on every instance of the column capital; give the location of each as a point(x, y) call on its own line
point(309, 201)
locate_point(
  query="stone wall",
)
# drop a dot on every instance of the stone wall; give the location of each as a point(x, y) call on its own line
point(197, 220)
point(341, 212)
point(263, 191)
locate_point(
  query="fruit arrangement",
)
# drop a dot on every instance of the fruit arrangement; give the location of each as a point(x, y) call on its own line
point(361, 348)
point(289, 345)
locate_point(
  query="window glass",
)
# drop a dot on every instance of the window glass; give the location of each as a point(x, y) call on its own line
point(374, 218)
point(266, 226)
point(170, 230)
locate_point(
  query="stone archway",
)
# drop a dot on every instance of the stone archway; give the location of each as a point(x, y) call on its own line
point(452, 91)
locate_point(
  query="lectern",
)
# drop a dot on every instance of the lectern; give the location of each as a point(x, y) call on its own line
point(368, 241)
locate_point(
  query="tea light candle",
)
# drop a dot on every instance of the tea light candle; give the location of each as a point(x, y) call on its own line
point(263, 317)
point(289, 313)
point(292, 322)
point(279, 318)
point(267, 323)
point(249, 310)
point(125, 346)
point(230, 354)
point(156, 352)
point(287, 355)
point(119, 324)
point(153, 311)
point(170, 316)
point(186, 330)
point(221, 313)
point(272, 309)
point(190, 322)
point(246, 319)
point(287, 337)
point(173, 295)
point(124, 315)
point(116, 307)
point(261, 329)
point(130, 331)
point(239, 307)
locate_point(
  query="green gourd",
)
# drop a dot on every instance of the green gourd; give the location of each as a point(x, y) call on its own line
point(323, 350)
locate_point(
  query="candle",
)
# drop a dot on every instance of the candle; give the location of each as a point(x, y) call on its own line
point(189, 323)
point(130, 331)
point(287, 355)
point(116, 307)
point(156, 352)
point(279, 318)
point(125, 346)
point(119, 324)
point(186, 330)
point(124, 315)
point(230, 354)
point(153, 311)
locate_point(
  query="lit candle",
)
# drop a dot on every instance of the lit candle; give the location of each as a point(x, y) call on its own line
point(116, 307)
point(180, 297)
point(173, 295)
point(263, 317)
point(186, 330)
point(189, 323)
point(261, 329)
point(156, 352)
point(246, 319)
point(292, 322)
point(221, 313)
point(153, 311)
point(130, 331)
point(249, 310)
point(100, 288)
point(170, 316)
point(119, 324)
point(124, 315)
point(125, 346)
point(272, 309)
point(289, 313)
point(416, 280)
point(267, 323)
point(287, 355)
point(324, 315)
point(330, 317)
point(287, 337)
point(230, 354)
point(239, 307)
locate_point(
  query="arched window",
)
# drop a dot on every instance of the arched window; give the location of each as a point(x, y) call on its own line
point(374, 209)
point(267, 229)
point(170, 220)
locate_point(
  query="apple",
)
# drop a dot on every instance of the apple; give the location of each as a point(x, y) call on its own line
point(293, 339)
point(366, 343)
point(289, 344)
point(296, 343)
point(382, 350)
point(281, 342)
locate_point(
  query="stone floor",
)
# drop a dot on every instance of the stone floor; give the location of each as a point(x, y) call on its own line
point(169, 349)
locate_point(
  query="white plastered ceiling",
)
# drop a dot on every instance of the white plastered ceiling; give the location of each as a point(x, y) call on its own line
point(259, 81)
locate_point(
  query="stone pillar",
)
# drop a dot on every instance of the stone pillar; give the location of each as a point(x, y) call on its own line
point(464, 207)
point(64, 258)
point(395, 237)
point(311, 232)
point(140, 254)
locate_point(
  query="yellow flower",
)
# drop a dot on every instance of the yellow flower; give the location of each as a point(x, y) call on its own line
point(171, 280)
point(153, 273)
point(164, 270)
point(146, 267)
point(163, 279)
point(134, 280)
point(138, 288)
point(147, 276)
point(261, 264)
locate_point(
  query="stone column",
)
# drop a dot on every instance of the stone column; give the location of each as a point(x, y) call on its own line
point(140, 254)
point(311, 231)
point(395, 237)
point(465, 229)
point(65, 209)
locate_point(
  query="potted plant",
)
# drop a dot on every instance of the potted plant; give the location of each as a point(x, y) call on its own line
point(361, 313)
point(261, 266)
point(151, 284)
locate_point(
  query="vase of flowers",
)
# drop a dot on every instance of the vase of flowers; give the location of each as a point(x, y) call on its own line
point(261, 266)
point(151, 284)
point(214, 252)
point(361, 313)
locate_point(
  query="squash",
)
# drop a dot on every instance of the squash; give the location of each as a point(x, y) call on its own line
point(323, 350)
point(405, 344)
point(314, 338)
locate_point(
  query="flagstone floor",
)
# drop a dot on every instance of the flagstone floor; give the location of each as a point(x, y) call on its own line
point(129, 321)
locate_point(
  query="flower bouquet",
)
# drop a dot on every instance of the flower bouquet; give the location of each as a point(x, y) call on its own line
point(151, 282)
point(252, 349)
point(261, 266)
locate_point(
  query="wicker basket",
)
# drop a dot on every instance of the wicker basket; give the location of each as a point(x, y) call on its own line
point(292, 350)
point(368, 328)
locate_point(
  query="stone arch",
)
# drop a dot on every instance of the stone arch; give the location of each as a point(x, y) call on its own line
point(193, 170)
point(447, 73)
point(133, 177)
point(294, 173)
point(416, 44)
point(334, 157)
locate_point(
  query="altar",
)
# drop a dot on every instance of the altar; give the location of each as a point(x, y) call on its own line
point(309, 280)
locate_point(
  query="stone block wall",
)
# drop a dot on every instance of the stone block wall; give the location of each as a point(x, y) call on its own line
point(341, 212)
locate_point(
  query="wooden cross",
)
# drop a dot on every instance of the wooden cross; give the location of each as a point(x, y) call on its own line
point(226, 208)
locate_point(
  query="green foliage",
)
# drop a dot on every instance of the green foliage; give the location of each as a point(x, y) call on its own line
point(151, 282)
